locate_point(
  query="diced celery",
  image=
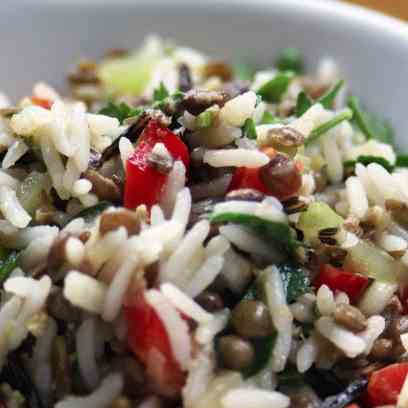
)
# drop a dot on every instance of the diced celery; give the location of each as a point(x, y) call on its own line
point(30, 191)
point(131, 74)
point(366, 259)
point(318, 216)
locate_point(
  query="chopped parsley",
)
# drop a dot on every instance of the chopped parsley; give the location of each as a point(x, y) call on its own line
point(325, 127)
point(160, 93)
point(273, 90)
point(120, 111)
point(250, 129)
point(371, 125)
point(366, 160)
point(290, 59)
point(303, 104)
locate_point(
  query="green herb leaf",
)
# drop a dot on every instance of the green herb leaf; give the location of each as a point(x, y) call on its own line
point(269, 119)
point(366, 160)
point(327, 99)
point(120, 111)
point(402, 160)
point(250, 129)
point(290, 376)
point(295, 281)
point(273, 90)
point(160, 93)
point(325, 127)
point(303, 104)
point(244, 71)
point(370, 125)
point(263, 348)
point(7, 265)
point(204, 120)
point(279, 232)
point(290, 59)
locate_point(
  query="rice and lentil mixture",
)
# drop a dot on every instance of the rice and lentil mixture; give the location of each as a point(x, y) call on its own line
point(183, 232)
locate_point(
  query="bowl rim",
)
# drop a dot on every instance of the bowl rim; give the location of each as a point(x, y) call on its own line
point(354, 13)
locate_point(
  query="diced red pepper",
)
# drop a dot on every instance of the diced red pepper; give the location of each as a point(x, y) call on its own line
point(340, 280)
point(247, 178)
point(144, 184)
point(146, 332)
point(44, 103)
point(385, 385)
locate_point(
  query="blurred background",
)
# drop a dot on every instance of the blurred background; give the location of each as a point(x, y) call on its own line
point(397, 8)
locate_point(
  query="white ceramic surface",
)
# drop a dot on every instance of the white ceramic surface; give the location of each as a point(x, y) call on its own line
point(39, 39)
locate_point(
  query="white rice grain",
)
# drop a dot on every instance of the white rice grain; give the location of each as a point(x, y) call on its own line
point(17, 150)
point(237, 110)
point(357, 198)
point(75, 251)
point(254, 398)
point(182, 256)
point(85, 348)
point(125, 149)
point(245, 240)
point(57, 129)
point(376, 297)
point(333, 157)
point(375, 326)
point(81, 187)
point(7, 180)
point(307, 354)
point(348, 342)
point(185, 304)
point(236, 271)
point(71, 175)
point(205, 333)
point(325, 301)
point(176, 327)
point(41, 361)
point(118, 287)
point(403, 396)
point(176, 180)
point(11, 208)
point(54, 165)
point(108, 391)
point(30, 119)
point(205, 275)
point(392, 243)
point(85, 292)
point(45, 91)
point(235, 158)
point(80, 137)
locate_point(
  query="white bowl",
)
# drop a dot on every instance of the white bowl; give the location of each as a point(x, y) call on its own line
point(40, 39)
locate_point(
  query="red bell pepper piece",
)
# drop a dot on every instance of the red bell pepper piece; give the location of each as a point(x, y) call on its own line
point(247, 178)
point(44, 103)
point(146, 333)
point(385, 385)
point(144, 184)
point(340, 280)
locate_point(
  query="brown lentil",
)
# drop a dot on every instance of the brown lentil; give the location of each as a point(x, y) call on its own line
point(103, 187)
point(112, 220)
point(281, 177)
point(61, 368)
point(398, 325)
point(236, 353)
point(350, 317)
point(122, 402)
point(251, 318)
point(210, 301)
point(285, 139)
point(382, 349)
point(218, 69)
